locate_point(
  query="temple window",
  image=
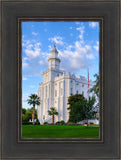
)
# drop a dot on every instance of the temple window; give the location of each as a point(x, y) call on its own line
point(55, 93)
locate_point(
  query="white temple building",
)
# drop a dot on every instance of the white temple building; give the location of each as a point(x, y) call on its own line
point(56, 87)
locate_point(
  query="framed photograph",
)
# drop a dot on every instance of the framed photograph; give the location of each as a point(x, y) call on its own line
point(60, 79)
point(65, 101)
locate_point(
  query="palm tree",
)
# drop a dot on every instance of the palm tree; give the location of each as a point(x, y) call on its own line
point(33, 100)
point(52, 112)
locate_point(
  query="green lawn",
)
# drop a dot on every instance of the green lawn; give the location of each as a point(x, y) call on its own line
point(54, 131)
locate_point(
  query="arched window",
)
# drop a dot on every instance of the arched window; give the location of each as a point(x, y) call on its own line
point(55, 93)
point(83, 93)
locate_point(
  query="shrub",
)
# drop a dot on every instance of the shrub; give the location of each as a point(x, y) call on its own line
point(37, 122)
point(62, 122)
point(45, 123)
point(57, 123)
point(91, 123)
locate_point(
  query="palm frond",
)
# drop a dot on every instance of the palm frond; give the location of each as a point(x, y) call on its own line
point(33, 100)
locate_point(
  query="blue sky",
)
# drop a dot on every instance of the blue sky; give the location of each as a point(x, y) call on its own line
point(76, 42)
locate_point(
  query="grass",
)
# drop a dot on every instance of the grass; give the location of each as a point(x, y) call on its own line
point(56, 131)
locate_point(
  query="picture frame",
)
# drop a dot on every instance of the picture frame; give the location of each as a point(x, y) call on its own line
point(10, 88)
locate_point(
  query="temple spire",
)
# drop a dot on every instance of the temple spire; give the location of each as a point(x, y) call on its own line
point(54, 44)
point(54, 60)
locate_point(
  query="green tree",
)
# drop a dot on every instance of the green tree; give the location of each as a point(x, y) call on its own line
point(27, 116)
point(31, 110)
point(95, 88)
point(80, 108)
point(33, 100)
point(89, 109)
point(52, 112)
point(76, 103)
point(23, 110)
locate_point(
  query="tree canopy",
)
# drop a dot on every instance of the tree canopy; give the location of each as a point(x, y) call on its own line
point(52, 112)
point(81, 108)
point(33, 99)
point(76, 103)
point(95, 88)
point(27, 115)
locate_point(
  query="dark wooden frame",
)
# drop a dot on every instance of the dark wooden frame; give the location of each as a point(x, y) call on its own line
point(108, 11)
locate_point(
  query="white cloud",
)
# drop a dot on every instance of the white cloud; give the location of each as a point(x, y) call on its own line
point(50, 47)
point(32, 49)
point(81, 36)
point(90, 56)
point(57, 40)
point(93, 24)
point(33, 53)
point(77, 57)
point(69, 47)
point(85, 49)
point(96, 47)
point(34, 33)
point(70, 27)
point(81, 29)
point(25, 58)
point(24, 78)
point(77, 23)
point(41, 62)
point(24, 63)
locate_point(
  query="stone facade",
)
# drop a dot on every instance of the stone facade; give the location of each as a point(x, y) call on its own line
point(56, 87)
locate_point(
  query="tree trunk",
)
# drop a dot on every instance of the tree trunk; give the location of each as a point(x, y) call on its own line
point(33, 114)
point(52, 118)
